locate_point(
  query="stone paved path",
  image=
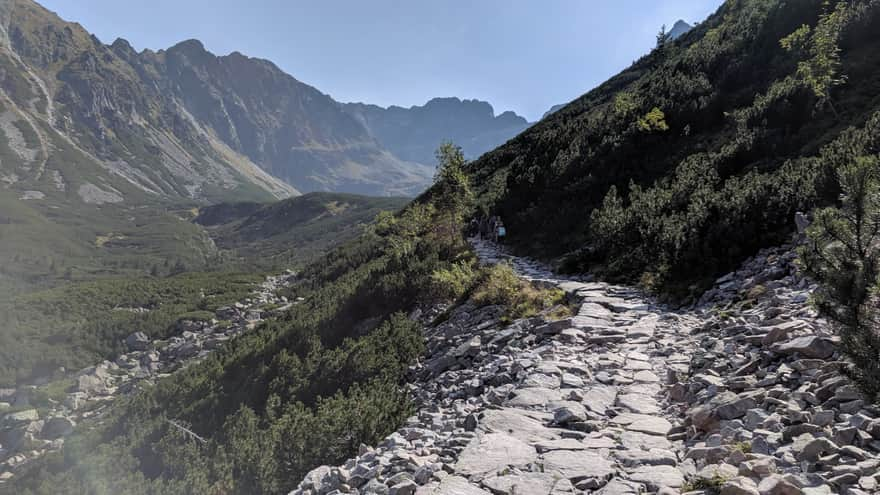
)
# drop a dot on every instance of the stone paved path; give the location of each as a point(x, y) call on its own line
point(589, 412)
point(537, 407)
point(740, 395)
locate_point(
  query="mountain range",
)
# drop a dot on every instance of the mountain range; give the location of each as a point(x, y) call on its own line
point(105, 123)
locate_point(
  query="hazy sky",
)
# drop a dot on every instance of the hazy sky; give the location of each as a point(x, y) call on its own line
point(519, 55)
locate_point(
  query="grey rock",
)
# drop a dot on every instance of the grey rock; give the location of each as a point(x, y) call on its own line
point(57, 427)
point(584, 465)
point(522, 483)
point(810, 346)
point(492, 452)
point(740, 486)
point(656, 477)
point(137, 341)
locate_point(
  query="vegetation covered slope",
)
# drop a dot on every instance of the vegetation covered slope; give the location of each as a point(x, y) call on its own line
point(291, 231)
point(69, 287)
point(302, 390)
point(701, 151)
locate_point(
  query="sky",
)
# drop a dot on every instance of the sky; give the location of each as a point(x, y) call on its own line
point(519, 55)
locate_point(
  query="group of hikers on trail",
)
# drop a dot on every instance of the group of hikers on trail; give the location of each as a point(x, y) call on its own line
point(488, 227)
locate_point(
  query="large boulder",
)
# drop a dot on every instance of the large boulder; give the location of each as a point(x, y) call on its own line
point(57, 427)
point(91, 385)
point(810, 346)
point(138, 341)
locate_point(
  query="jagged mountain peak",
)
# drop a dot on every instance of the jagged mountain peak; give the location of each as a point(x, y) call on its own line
point(414, 133)
point(679, 28)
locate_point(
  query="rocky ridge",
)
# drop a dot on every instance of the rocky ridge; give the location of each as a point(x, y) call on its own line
point(739, 394)
point(35, 428)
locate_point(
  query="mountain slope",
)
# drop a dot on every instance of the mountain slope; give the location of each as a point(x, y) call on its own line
point(415, 133)
point(700, 152)
point(78, 118)
point(178, 123)
point(292, 230)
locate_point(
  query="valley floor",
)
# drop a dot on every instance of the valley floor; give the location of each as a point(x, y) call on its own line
point(740, 394)
point(37, 427)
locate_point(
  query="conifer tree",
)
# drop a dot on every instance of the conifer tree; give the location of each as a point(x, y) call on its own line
point(452, 184)
point(842, 253)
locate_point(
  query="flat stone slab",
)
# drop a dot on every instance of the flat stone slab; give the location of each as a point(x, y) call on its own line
point(618, 486)
point(492, 452)
point(541, 380)
point(654, 457)
point(655, 477)
point(524, 483)
point(654, 425)
point(599, 398)
point(456, 485)
point(519, 424)
point(646, 376)
point(628, 418)
point(593, 310)
point(531, 397)
point(635, 365)
point(585, 464)
point(639, 403)
point(637, 440)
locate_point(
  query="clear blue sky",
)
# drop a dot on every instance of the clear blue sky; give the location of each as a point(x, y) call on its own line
point(519, 55)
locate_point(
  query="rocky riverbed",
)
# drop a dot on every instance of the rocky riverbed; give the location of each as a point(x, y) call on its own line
point(739, 394)
point(33, 431)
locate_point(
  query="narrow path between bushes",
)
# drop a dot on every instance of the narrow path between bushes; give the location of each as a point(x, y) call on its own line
point(740, 395)
point(537, 406)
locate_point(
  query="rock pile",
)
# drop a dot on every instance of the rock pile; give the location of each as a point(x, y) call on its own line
point(767, 410)
point(740, 394)
point(30, 433)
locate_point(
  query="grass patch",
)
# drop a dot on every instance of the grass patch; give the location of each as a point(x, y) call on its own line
point(501, 286)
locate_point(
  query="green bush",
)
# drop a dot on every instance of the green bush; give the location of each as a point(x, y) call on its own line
point(454, 282)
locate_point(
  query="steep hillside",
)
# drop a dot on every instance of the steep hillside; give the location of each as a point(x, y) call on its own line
point(291, 231)
point(415, 133)
point(79, 120)
point(700, 152)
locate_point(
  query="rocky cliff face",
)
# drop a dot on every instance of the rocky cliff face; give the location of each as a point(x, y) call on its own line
point(415, 133)
point(83, 121)
point(180, 122)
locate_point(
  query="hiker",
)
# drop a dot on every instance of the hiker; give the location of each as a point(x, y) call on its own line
point(500, 231)
point(493, 227)
point(473, 228)
point(484, 226)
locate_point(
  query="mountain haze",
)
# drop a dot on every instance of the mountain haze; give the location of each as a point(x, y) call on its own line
point(415, 133)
